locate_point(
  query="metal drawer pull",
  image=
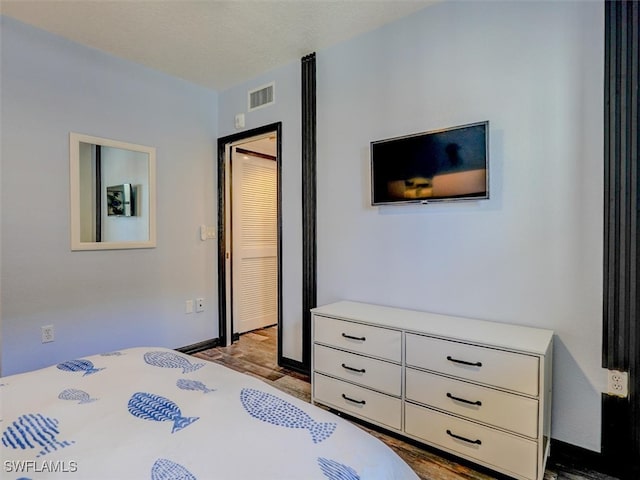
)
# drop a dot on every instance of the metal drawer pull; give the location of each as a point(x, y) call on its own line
point(452, 397)
point(476, 442)
point(350, 337)
point(361, 402)
point(464, 362)
point(358, 370)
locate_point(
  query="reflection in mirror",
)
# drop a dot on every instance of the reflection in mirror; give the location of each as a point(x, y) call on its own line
point(112, 194)
point(104, 198)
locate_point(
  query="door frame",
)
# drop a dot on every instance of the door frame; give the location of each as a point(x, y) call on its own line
point(225, 337)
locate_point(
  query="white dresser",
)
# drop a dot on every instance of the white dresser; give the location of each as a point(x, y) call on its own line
point(480, 390)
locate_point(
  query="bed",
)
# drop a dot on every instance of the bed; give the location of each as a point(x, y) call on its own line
point(154, 413)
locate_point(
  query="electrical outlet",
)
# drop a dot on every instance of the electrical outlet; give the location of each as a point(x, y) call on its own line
point(47, 333)
point(208, 233)
point(199, 304)
point(617, 383)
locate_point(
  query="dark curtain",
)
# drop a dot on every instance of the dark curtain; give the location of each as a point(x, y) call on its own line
point(309, 295)
point(621, 335)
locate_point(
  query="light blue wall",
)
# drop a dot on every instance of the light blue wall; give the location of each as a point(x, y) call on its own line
point(102, 300)
point(530, 255)
point(286, 109)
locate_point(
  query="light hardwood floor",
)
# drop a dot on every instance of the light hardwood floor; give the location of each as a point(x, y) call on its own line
point(256, 354)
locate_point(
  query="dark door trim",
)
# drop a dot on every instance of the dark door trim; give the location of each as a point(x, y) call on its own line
point(309, 274)
point(222, 246)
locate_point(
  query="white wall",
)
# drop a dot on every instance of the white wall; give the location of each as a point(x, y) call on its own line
point(286, 110)
point(100, 300)
point(530, 255)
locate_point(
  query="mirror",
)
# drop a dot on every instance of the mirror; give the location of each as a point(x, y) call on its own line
point(112, 194)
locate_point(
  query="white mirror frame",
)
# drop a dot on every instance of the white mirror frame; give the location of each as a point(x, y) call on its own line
point(74, 175)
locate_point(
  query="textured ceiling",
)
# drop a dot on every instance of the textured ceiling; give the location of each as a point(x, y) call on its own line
point(213, 43)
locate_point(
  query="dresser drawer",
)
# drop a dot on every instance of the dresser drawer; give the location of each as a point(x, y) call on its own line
point(511, 371)
point(377, 374)
point(358, 401)
point(355, 337)
point(493, 448)
point(504, 410)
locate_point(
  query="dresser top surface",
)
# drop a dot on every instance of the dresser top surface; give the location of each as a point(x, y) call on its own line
point(502, 335)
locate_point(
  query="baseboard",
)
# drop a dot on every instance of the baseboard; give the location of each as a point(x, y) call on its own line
point(200, 346)
point(294, 365)
point(620, 438)
point(572, 456)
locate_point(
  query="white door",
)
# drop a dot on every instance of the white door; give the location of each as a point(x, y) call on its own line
point(254, 242)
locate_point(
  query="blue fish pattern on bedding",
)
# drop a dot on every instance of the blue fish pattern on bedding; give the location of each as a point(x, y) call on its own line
point(171, 360)
point(78, 395)
point(159, 409)
point(164, 469)
point(34, 430)
point(186, 384)
point(274, 410)
point(337, 471)
point(85, 366)
point(111, 354)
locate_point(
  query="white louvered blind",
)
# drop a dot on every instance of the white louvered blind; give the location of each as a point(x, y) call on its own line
point(258, 196)
point(259, 288)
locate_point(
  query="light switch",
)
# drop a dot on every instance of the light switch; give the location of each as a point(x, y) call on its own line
point(239, 121)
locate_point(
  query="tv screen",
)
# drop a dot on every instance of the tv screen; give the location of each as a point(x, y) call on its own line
point(447, 164)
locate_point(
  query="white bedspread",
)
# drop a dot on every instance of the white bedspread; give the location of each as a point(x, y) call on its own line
point(153, 413)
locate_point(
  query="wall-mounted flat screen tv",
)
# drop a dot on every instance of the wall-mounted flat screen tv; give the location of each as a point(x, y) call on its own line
point(440, 165)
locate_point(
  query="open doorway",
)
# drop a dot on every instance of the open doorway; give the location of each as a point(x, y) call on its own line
point(252, 234)
point(249, 233)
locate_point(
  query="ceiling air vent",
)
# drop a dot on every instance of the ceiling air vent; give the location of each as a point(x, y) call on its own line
point(261, 97)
